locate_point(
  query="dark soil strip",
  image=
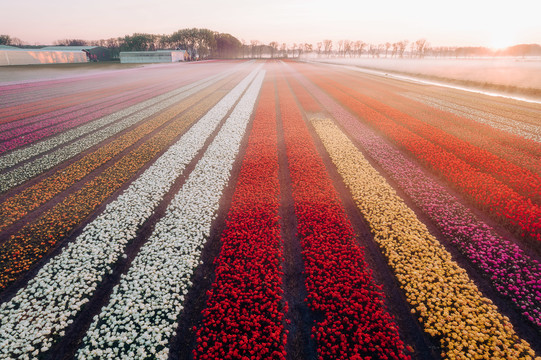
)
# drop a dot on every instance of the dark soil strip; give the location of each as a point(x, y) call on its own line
point(300, 344)
point(184, 341)
point(68, 346)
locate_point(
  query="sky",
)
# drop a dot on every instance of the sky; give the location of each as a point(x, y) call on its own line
point(491, 23)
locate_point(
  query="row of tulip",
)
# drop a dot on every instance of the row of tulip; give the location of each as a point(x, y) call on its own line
point(466, 114)
point(100, 118)
point(28, 107)
point(500, 115)
point(510, 270)
point(108, 99)
point(355, 323)
point(511, 126)
point(63, 147)
point(523, 181)
point(24, 92)
point(39, 313)
point(503, 114)
point(41, 97)
point(447, 302)
point(141, 315)
point(30, 198)
point(245, 311)
point(44, 106)
point(71, 116)
point(520, 154)
point(499, 200)
point(505, 145)
point(23, 248)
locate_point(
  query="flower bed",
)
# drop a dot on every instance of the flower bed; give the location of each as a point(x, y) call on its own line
point(507, 145)
point(521, 180)
point(50, 114)
point(467, 125)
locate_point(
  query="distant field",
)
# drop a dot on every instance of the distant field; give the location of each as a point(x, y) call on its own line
point(521, 76)
point(265, 210)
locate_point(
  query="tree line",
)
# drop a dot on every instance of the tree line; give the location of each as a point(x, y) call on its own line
point(198, 43)
point(204, 43)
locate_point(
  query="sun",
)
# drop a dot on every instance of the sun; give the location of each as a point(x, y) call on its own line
point(501, 40)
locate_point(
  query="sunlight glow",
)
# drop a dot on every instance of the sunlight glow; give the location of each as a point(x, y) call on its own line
point(502, 39)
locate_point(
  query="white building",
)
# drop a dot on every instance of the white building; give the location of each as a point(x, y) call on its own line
point(16, 56)
point(160, 56)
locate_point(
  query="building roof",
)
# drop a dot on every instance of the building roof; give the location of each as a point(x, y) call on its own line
point(152, 52)
point(69, 48)
point(7, 47)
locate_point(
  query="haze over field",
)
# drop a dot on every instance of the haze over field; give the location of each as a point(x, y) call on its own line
point(460, 23)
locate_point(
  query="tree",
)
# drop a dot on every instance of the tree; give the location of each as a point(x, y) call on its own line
point(319, 45)
point(253, 47)
point(185, 39)
point(260, 47)
point(395, 49)
point(244, 47)
point(340, 47)
point(5, 40)
point(137, 42)
point(327, 46)
point(373, 50)
point(387, 46)
point(347, 47)
point(205, 42)
point(402, 45)
point(363, 44)
point(113, 44)
point(358, 47)
point(71, 42)
point(380, 48)
point(293, 48)
point(420, 47)
point(273, 48)
point(227, 46)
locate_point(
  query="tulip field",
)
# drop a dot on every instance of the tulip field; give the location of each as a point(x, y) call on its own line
point(266, 210)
